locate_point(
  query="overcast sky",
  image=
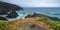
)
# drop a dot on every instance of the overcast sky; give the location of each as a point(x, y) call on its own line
point(35, 3)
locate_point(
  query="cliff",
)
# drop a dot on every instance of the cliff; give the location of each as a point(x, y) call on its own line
point(9, 10)
point(41, 15)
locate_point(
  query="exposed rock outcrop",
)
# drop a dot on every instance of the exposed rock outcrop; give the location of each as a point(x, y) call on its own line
point(39, 15)
point(12, 15)
point(3, 18)
point(34, 15)
point(9, 9)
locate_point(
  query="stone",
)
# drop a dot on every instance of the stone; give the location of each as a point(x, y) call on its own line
point(34, 15)
point(39, 15)
point(9, 10)
point(12, 15)
point(8, 7)
point(3, 18)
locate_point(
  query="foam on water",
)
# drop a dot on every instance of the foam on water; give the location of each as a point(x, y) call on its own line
point(53, 12)
point(21, 15)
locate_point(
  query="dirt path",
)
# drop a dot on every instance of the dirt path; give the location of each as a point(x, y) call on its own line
point(29, 24)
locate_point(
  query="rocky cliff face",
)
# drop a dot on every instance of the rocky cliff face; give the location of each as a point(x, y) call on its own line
point(2, 18)
point(34, 15)
point(12, 15)
point(9, 10)
point(39, 15)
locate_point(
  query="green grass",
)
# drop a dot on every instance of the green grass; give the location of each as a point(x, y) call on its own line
point(54, 24)
point(4, 25)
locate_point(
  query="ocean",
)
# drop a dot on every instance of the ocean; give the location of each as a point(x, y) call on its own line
point(50, 11)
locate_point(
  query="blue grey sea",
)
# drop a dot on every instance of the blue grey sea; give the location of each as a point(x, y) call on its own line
point(50, 11)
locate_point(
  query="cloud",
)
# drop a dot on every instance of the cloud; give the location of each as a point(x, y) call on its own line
point(35, 3)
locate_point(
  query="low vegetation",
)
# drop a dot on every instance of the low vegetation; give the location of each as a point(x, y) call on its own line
point(4, 25)
point(53, 24)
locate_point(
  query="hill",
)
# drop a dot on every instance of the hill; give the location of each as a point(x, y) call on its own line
point(31, 23)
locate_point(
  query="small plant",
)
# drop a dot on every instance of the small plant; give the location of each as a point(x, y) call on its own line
point(54, 24)
point(4, 25)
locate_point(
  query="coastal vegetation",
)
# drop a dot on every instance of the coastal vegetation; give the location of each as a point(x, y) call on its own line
point(4, 25)
point(53, 24)
point(40, 21)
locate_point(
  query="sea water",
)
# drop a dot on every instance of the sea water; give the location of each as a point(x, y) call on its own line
point(50, 11)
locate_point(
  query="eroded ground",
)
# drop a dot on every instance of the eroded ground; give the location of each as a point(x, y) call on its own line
point(29, 24)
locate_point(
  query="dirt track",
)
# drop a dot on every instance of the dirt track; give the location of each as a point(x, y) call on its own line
point(29, 24)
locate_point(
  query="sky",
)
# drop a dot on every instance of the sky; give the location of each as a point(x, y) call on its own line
point(35, 3)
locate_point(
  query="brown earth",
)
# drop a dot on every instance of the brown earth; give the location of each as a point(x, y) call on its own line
point(29, 24)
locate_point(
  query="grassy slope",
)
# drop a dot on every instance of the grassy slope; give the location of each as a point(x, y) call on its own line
point(4, 25)
point(18, 24)
point(54, 24)
point(40, 21)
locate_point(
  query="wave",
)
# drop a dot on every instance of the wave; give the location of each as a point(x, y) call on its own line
point(54, 13)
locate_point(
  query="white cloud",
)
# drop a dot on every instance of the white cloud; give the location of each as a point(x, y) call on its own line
point(35, 3)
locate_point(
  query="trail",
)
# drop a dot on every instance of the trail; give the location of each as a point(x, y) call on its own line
point(29, 24)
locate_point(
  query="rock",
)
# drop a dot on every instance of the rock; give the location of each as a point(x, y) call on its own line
point(2, 18)
point(34, 15)
point(12, 15)
point(9, 9)
point(10, 6)
point(2, 11)
point(29, 16)
point(39, 15)
point(54, 18)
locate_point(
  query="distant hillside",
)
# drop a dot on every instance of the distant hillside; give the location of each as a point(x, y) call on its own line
point(8, 10)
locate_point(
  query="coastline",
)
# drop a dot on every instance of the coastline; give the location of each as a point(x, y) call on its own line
point(38, 21)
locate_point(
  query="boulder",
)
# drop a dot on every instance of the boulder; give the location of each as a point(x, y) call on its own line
point(3, 18)
point(12, 15)
point(29, 16)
